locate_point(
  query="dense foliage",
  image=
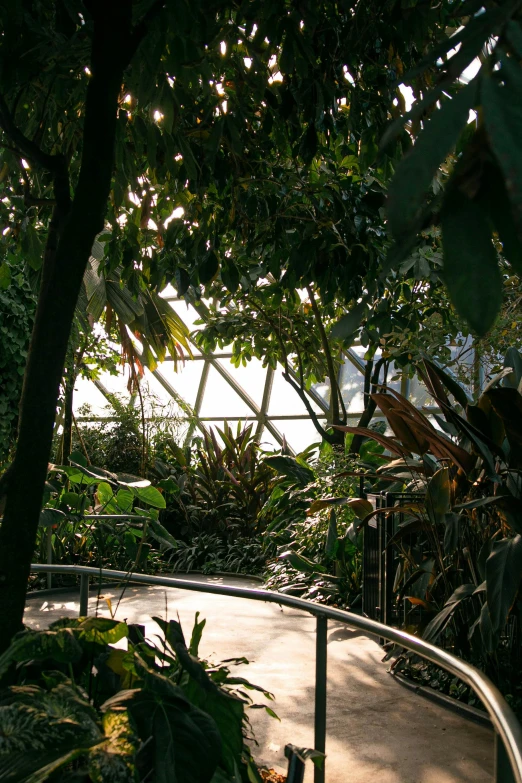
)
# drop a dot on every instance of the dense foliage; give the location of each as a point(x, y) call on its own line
point(460, 545)
point(17, 305)
point(72, 704)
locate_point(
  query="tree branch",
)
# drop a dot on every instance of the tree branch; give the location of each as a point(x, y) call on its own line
point(56, 164)
point(334, 386)
point(332, 439)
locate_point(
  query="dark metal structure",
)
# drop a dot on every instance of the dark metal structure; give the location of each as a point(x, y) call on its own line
point(380, 562)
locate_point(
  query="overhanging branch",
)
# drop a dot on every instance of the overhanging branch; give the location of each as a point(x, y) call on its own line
point(56, 164)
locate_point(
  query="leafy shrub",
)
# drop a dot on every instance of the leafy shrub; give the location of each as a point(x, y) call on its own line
point(460, 546)
point(78, 491)
point(209, 553)
point(311, 530)
point(75, 705)
point(213, 488)
point(17, 307)
point(115, 443)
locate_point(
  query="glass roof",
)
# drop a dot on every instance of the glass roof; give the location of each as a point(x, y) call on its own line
point(216, 391)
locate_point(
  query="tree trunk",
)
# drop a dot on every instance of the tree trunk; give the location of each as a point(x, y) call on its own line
point(57, 301)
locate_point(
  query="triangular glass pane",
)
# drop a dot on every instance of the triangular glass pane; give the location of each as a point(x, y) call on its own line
point(221, 400)
point(86, 393)
point(186, 380)
point(251, 378)
point(299, 433)
point(284, 400)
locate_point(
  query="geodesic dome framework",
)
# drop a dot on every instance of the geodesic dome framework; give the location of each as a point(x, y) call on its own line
point(208, 390)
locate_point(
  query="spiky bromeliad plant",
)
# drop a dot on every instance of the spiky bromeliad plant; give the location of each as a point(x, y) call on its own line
point(460, 544)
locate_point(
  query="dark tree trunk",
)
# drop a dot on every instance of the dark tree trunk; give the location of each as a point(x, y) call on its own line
point(62, 278)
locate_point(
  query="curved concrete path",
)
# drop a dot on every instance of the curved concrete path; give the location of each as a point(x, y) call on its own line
point(377, 731)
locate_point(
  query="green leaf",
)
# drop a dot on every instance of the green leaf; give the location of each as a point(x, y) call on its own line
point(301, 563)
point(105, 493)
point(162, 535)
point(150, 495)
point(471, 270)
point(184, 740)
point(291, 468)
point(418, 168)
point(51, 516)
point(439, 622)
point(438, 496)
point(501, 92)
point(5, 276)
point(197, 633)
point(230, 276)
point(228, 713)
point(494, 196)
point(348, 324)
point(513, 359)
point(125, 500)
point(209, 267)
point(61, 646)
point(102, 630)
point(451, 534)
point(503, 574)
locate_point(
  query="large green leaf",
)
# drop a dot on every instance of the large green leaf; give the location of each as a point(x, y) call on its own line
point(348, 324)
point(501, 92)
point(228, 713)
point(60, 645)
point(471, 270)
point(438, 496)
point(186, 742)
point(418, 168)
point(503, 575)
point(162, 535)
point(51, 516)
point(301, 563)
point(102, 630)
point(150, 495)
point(439, 622)
point(292, 469)
point(513, 359)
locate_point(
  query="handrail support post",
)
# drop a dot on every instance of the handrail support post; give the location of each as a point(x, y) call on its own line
point(320, 693)
point(84, 595)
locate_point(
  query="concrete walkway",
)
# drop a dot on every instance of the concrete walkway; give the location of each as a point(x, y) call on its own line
point(378, 731)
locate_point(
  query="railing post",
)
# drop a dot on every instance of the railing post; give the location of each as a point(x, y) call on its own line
point(49, 556)
point(503, 770)
point(84, 595)
point(320, 693)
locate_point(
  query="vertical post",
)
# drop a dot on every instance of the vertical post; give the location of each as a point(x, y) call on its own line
point(320, 693)
point(503, 769)
point(84, 595)
point(49, 556)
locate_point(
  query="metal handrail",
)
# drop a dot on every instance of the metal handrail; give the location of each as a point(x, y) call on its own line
point(508, 729)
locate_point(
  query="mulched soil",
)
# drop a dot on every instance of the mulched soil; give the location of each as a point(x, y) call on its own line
point(271, 776)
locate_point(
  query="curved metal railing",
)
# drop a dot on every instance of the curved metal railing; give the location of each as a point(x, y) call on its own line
point(508, 745)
